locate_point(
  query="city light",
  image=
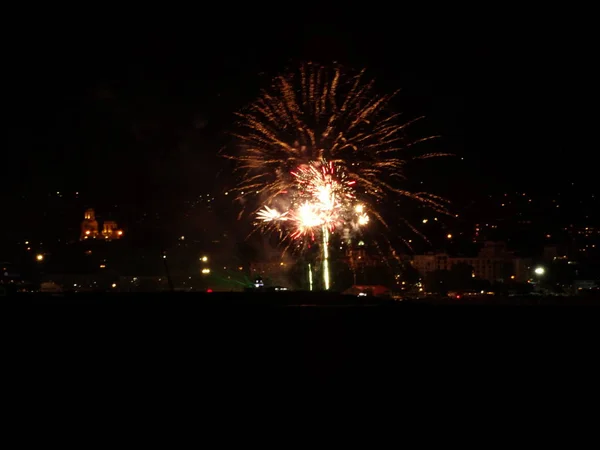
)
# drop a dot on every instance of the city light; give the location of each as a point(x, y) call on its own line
point(114, 285)
point(39, 257)
point(204, 259)
point(449, 236)
point(205, 271)
point(539, 271)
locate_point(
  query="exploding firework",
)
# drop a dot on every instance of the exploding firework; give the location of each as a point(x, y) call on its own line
point(322, 196)
point(318, 114)
point(271, 215)
point(322, 147)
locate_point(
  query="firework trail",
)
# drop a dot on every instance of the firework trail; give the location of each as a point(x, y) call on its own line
point(326, 146)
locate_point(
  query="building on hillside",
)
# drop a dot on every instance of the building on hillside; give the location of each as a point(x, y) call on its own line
point(360, 256)
point(89, 225)
point(522, 269)
point(89, 228)
point(493, 263)
point(111, 231)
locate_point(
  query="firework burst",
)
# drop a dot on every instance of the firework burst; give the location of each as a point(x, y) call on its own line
point(323, 146)
point(321, 196)
point(318, 114)
point(271, 215)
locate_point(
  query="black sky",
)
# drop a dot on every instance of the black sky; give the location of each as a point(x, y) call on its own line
point(155, 108)
point(143, 112)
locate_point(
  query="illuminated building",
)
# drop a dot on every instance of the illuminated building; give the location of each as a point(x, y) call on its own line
point(89, 228)
point(493, 263)
point(111, 231)
point(359, 257)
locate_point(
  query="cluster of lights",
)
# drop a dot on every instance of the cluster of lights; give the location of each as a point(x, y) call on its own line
point(323, 198)
point(205, 270)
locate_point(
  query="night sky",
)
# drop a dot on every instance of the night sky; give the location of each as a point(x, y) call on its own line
point(156, 109)
point(139, 116)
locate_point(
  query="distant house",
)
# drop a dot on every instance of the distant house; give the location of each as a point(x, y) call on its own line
point(585, 285)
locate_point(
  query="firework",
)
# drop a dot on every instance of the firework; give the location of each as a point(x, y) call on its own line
point(318, 114)
point(271, 215)
point(363, 219)
point(323, 146)
point(321, 200)
point(321, 196)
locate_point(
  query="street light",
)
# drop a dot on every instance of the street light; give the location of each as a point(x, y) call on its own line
point(205, 271)
point(39, 257)
point(204, 258)
point(539, 272)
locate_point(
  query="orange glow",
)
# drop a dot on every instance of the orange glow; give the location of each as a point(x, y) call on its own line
point(120, 233)
point(363, 219)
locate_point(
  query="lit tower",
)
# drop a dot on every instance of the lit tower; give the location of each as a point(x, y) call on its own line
point(111, 231)
point(89, 225)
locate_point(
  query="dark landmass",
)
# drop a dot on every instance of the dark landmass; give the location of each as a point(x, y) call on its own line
point(278, 300)
point(243, 343)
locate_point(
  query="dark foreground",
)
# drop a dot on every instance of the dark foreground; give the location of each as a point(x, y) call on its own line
point(275, 299)
point(246, 342)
